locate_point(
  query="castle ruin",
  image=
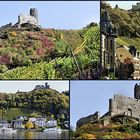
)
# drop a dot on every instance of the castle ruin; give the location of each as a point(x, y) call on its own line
point(28, 19)
point(118, 105)
point(25, 20)
point(136, 7)
point(42, 86)
point(124, 105)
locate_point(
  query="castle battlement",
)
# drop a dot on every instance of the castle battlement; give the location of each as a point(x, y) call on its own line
point(46, 86)
point(31, 19)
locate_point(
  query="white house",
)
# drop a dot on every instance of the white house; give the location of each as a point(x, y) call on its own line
point(17, 123)
point(51, 123)
point(40, 122)
point(33, 119)
point(4, 123)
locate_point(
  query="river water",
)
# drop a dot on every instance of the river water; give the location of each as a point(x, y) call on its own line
point(35, 135)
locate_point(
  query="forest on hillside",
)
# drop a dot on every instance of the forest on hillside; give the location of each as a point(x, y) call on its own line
point(127, 23)
point(38, 102)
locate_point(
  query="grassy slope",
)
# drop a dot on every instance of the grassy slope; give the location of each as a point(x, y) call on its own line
point(44, 101)
point(93, 131)
point(44, 70)
point(14, 112)
point(120, 127)
point(129, 41)
point(128, 24)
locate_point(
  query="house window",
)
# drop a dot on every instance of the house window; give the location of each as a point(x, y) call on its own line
point(111, 59)
point(129, 112)
point(105, 43)
point(108, 59)
point(104, 59)
point(111, 44)
point(138, 53)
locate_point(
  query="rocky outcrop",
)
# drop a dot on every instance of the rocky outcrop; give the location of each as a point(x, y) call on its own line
point(91, 118)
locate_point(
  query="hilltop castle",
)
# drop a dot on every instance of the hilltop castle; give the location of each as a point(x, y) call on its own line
point(136, 7)
point(25, 20)
point(119, 105)
point(28, 19)
point(42, 86)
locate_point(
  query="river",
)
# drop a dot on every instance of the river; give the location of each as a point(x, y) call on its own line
point(35, 135)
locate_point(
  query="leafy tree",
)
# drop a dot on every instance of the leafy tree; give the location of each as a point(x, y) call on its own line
point(3, 68)
point(29, 125)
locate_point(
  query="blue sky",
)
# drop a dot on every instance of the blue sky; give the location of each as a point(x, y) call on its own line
point(59, 15)
point(87, 97)
point(123, 4)
point(14, 86)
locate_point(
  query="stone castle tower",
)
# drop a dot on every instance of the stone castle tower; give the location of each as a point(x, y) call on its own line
point(34, 12)
point(28, 19)
point(137, 91)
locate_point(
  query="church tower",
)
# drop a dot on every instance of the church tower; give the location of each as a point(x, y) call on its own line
point(108, 35)
point(137, 91)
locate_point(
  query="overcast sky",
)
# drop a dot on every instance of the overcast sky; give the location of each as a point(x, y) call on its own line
point(55, 14)
point(14, 86)
point(123, 4)
point(87, 97)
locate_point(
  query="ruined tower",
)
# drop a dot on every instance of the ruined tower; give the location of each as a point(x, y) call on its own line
point(137, 91)
point(34, 12)
point(111, 106)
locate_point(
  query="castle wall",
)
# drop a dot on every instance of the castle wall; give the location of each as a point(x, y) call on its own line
point(136, 7)
point(125, 105)
point(27, 19)
point(88, 119)
point(137, 91)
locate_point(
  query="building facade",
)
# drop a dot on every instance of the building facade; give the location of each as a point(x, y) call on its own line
point(108, 36)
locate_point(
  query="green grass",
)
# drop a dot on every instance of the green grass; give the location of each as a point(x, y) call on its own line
point(129, 42)
point(14, 112)
point(48, 70)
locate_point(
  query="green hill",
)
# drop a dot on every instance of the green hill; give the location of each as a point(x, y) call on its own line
point(48, 53)
point(120, 127)
point(127, 23)
point(37, 102)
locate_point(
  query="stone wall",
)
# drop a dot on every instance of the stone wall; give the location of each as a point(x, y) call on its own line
point(88, 119)
point(136, 7)
point(27, 19)
point(137, 91)
point(124, 105)
point(6, 26)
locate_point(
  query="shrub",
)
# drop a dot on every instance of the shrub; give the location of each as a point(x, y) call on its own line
point(14, 34)
point(3, 68)
point(29, 125)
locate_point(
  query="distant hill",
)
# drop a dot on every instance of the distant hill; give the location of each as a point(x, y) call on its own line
point(44, 102)
point(127, 23)
point(28, 53)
